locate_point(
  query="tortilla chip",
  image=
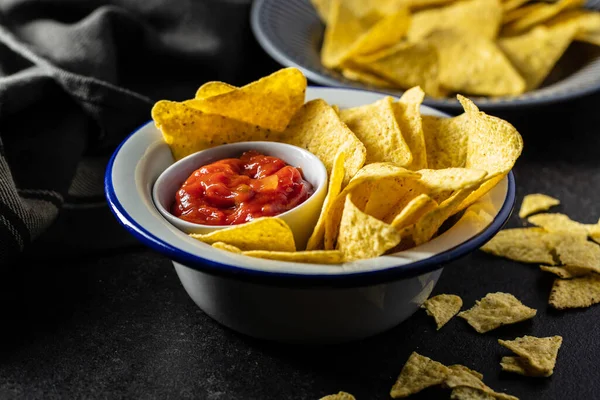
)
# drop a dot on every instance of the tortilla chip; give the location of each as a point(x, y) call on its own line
point(339, 396)
point(535, 53)
point(376, 127)
point(583, 255)
point(266, 233)
point(463, 377)
point(345, 27)
point(365, 77)
point(315, 242)
point(474, 64)
point(540, 14)
point(360, 186)
point(418, 373)
point(407, 111)
point(564, 272)
point(269, 103)
point(442, 308)
point(187, 130)
point(388, 31)
point(538, 353)
point(226, 247)
point(495, 310)
point(362, 236)
point(318, 128)
point(586, 21)
point(519, 365)
point(458, 367)
point(478, 18)
point(468, 393)
point(214, 88)
point(413, 211)
point(526, 245)
point(445, 141)
point(406, 65)
point(559, 223)
point(575, 293)
point(534, 203)
point(312, 257)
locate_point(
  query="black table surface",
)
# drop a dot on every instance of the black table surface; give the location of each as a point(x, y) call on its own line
point(120, 325)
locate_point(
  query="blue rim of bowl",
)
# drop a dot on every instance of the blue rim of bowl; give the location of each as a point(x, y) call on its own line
point(351, 279)
point(483, 103)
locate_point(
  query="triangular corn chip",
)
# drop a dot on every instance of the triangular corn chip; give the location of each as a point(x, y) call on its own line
point(580, 255)
point(214, 88)
point(557, 222)
point(534, 203)
point(538, 353)
point(526, 245)
point(575, 293)
point(540, 14)
point(418, 373)
point(408, 115)
point(495, 310)
point(442, 308)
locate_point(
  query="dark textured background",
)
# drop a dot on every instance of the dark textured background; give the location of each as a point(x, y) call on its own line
point(119, 324)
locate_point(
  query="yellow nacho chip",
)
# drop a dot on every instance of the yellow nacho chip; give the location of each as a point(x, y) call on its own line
point(534, 203)
point(586, 21)
point(345, 27)
point(540, 14)
point(418, 373)
point(538, 354)
point(406, 65)
point(226, 247)
point(495, 310)
point(269, 103)
point(266, 233)
point(360, 186)
point(478, 18)
point(315, 242)
point(442, 308)
point(559, 223)
point(575, 293)
point(564, 272)
point(407, 111)
point(318, 128)
point(579, 255)
point(362, 236)
point(376, 127)
point(187, 130)
point(527, 245)
point(445, 141)
point(463, 377)
point(535, 53)
point(474, 64)
point(214, 88)
point(339, 396)
point(313, 257)
point(365, 77)
point(413, 211)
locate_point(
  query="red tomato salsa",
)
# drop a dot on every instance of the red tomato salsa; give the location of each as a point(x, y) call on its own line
point(236, 190)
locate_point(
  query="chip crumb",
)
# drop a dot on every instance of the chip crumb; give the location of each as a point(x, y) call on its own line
point(528, 245)
point(339, 396)
point(534, 203)
point(495, 310)
point(442, 308)
point(418, 373)
point(536, 354)
point(578, 292)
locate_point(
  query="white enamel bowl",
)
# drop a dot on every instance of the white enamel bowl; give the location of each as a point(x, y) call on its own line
point(283, 301)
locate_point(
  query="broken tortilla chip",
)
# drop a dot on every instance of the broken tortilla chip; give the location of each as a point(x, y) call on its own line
point(442, 308)
point(537, 354)
point(418, 373)
point(266, 233)
point(580, 255)
point(578, 292)
point(534, 203)
point(495, 310)
point(528, 245)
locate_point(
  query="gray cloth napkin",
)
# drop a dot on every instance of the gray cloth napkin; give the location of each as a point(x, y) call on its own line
point(76, 76)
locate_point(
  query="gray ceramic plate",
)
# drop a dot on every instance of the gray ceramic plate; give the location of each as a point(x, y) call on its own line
point(291, 32)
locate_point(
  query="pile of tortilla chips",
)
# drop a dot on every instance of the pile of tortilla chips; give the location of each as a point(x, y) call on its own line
point(566, 248)
point(395, 176)
point(475, 47)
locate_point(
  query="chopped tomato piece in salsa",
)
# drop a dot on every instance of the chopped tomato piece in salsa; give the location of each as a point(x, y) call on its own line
point(236, 190)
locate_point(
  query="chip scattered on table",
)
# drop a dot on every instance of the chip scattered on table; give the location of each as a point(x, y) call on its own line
point(578, 292)
point(525, 245)
point(580, 255)
point(557, 222)
point(442, 308)
point(339, 396)
point(495, 310)
point(418, 373)
point(266, 233)
point(534, 203)
point(537, 356)
point(564, 272)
